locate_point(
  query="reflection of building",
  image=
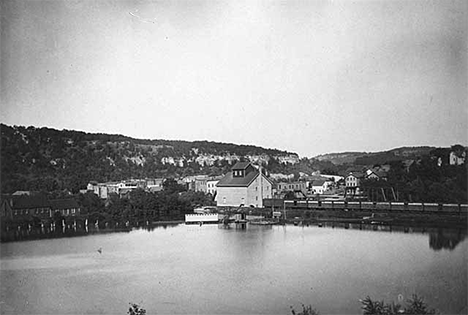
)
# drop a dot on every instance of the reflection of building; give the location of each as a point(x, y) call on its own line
point(243, 185)
point(443, 239)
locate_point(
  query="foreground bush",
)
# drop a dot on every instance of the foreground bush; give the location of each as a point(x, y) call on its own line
point(135, 309)
point(306, 310)
point(414, 306)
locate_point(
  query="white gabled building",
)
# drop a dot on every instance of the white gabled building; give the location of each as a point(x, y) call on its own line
point(243, 185)
point(211, 186)
point(457, 158)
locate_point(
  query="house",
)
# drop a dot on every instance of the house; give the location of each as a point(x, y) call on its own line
point(6, 212)
point(155, 185)
point(283, 187)
point(200, 185)
point(372, 175)
point(197, 183)
point(457, 157)
point(352, 182)
point(21, 206)
point(211, 186)
point(243, 185)
point(319, 186)
point(354, 179)
point(66, 207)
point(334, 178)
point(21, 192)
point(103, 190)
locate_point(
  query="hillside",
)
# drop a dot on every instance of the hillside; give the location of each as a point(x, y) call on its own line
point(372, 158)
point(48, 159)
point(340, 158)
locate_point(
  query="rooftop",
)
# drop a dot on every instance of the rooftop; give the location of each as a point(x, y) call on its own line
point(230, 181)
point(241, 165)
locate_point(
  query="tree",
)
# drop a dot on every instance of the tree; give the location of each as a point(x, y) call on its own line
point(135, 309)
point(170, 185)
point(289, 195)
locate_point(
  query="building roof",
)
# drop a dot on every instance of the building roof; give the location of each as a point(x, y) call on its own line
point(241, 165)
point(21, 192)
point(318, 182)
point(59, 204)
point(230, 181)
point(356, 174)
point(29, 202)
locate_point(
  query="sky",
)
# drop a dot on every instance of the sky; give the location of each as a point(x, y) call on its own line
point(310, 77)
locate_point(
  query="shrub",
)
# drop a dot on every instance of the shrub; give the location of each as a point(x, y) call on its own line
point(306, 310)
point(414, 306)
point(135, 309)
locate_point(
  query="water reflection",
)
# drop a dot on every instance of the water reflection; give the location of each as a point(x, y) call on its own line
point(37, 233)
point(443, 239)
point(439, 238)
point(213, 269)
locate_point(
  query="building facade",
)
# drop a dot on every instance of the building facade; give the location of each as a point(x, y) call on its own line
point(37, 206)
point(244, 185)
point(211, 186)
point(291, 186)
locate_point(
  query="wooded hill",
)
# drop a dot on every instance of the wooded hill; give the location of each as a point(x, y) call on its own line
point(49, 159)
point(370, 158)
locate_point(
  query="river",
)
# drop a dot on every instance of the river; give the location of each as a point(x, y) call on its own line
point(211, 269)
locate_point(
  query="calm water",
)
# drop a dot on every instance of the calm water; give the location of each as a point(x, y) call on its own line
point(213, 270)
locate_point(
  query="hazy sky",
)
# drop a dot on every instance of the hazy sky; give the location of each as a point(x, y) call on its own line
point(305, 76)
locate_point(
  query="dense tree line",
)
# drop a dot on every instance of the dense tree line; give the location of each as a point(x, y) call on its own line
point(426, 181)
point(172, 203)
point(48, 159)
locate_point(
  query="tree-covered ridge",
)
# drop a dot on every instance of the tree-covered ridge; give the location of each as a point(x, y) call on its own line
point(369, 158)
point(50, 159)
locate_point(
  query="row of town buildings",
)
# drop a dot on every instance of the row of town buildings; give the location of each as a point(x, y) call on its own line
point(25, 204)
point(245, 185)
point(239, 186)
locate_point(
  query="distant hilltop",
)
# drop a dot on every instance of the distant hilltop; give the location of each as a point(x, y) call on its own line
point(366, 158)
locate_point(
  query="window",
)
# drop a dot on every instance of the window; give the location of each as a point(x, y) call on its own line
point(73, 211)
